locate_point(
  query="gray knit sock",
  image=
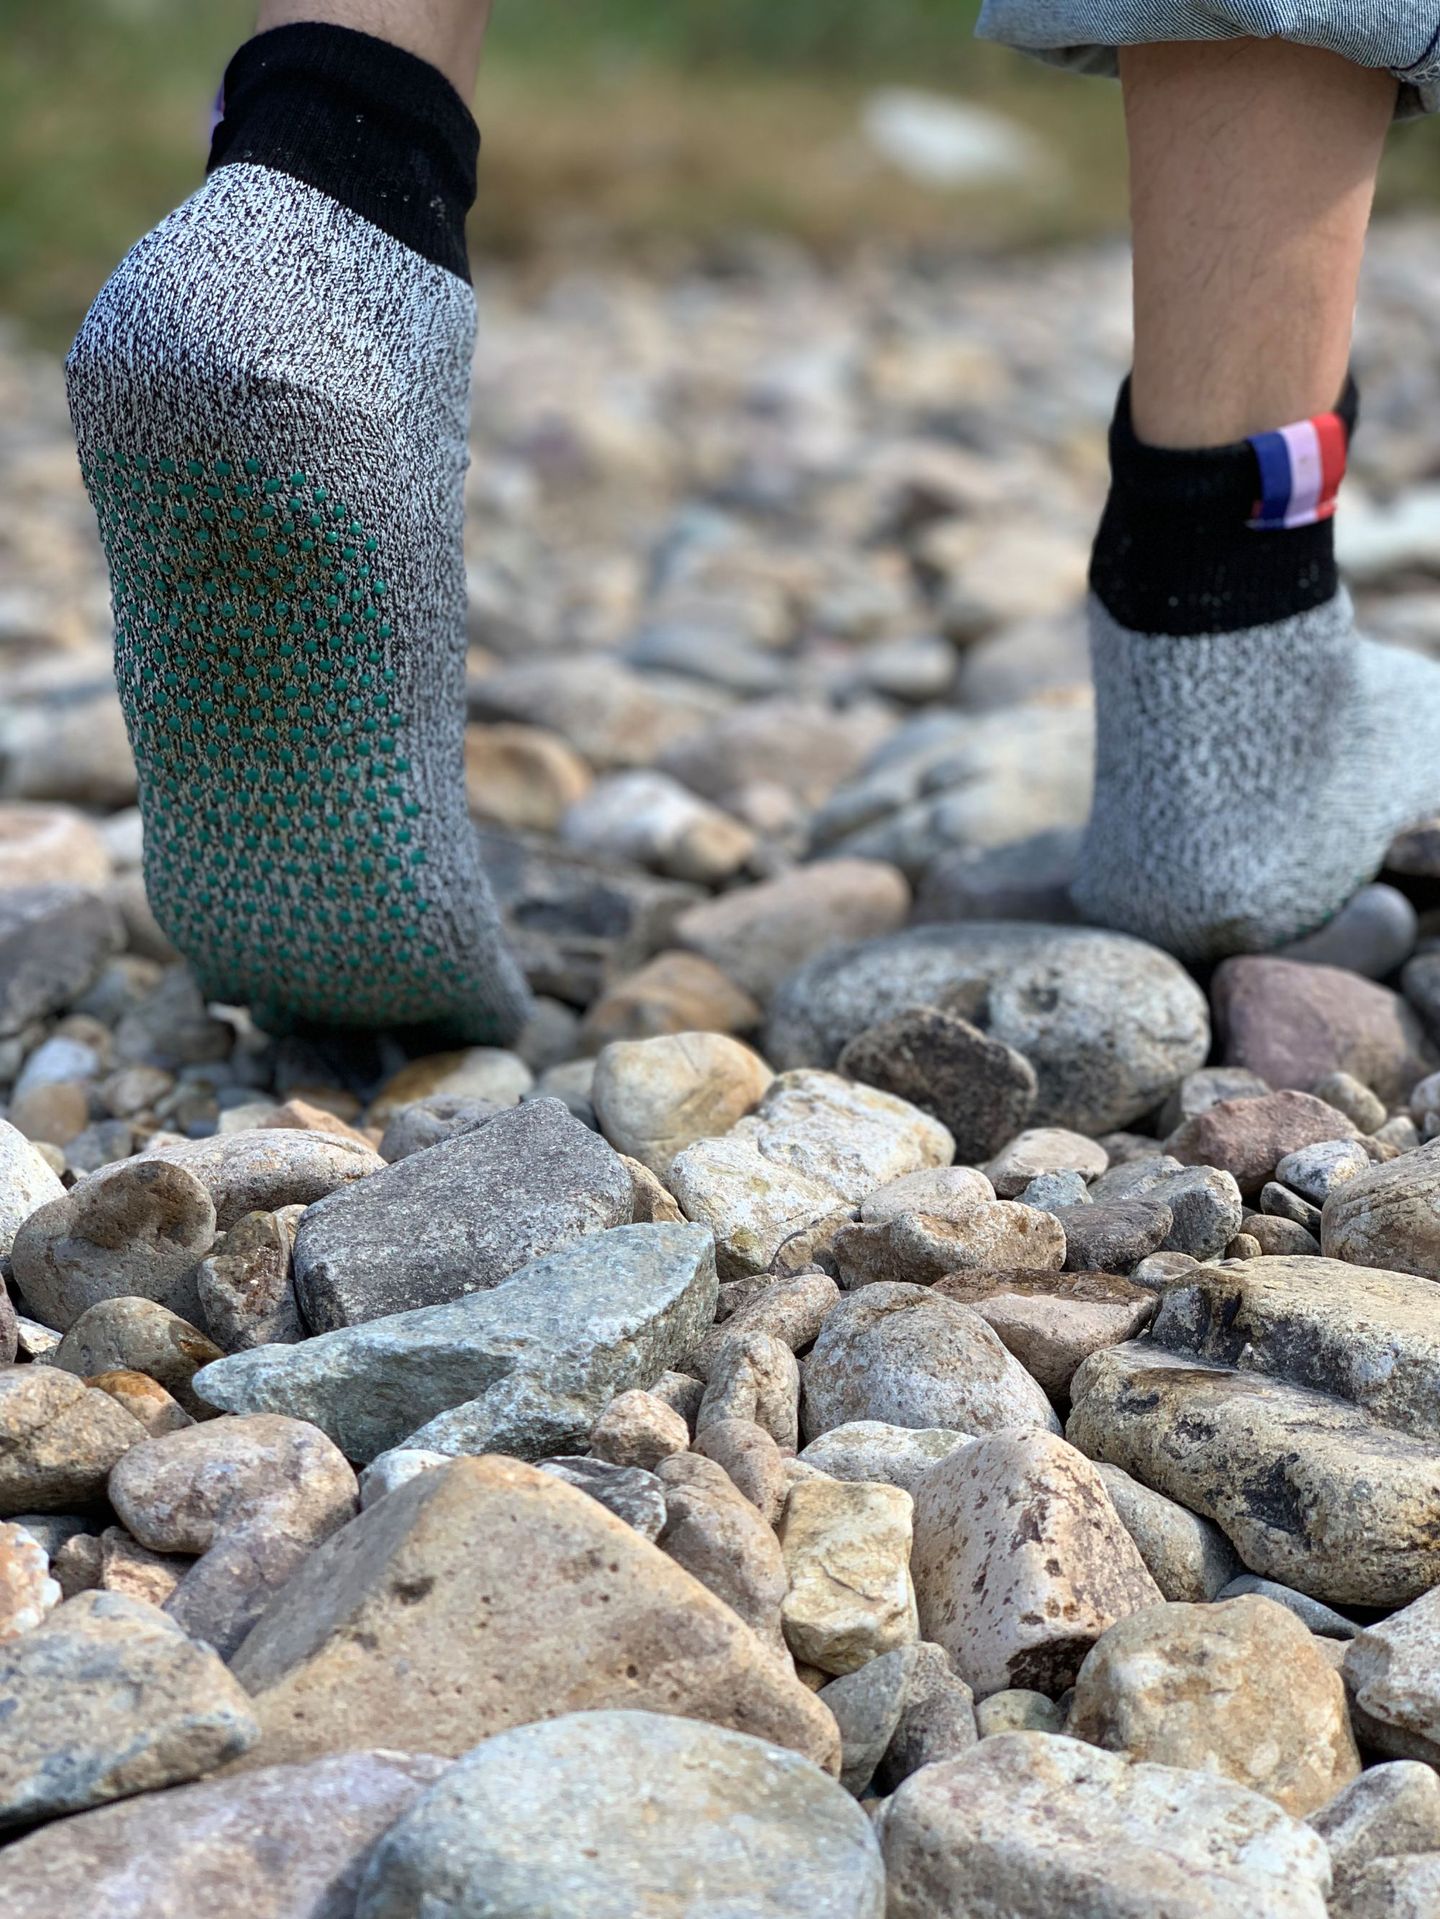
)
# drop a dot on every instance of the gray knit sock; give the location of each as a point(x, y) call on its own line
point(270, 398)
point(1247, 783)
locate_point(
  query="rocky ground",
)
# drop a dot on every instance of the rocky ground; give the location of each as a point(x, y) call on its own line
point(886, 1401)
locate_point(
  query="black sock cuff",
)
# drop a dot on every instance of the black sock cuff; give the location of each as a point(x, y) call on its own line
point(1177, 551)
point(378, 129)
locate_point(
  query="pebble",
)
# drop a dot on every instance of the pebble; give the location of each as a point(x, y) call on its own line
point(522, 776)
point(752, 1375)
point(752, 1204)
point(457, 1218)
point(1248, 1138)
point(654, 1097)
point(672, 993)
point(526, 1366)
point(917, 1250)
point(396, 1468)
point(650, 819)
point(45, 845)
point(279, 1842)
point(1316, 1171)
point(1393, 1678)
point(144, 1400)
point(425, 1122)
point(873, 1450)
point(27, 1592)
point(1316, 1618)
point(1235, 1689)
point(792, 1310)
point(135, 1230)
point(1389, 1809)
point(488, 1073)
point(849, 1137)
point(1188, 1557)
point(106, 1698)
point(1109, 1025)
point(758, 935)
point(909, 1357)
point(1045, 1149)
point(849, 1596)
point(637, 1429)
point(1295, 1023)
point(1388, 1216)
point(27, 1182)
point(264, 1169)
point(139, 1336)
point(542, 1818)
point(1017, 1710)
point(420, 1625)
point(58, 1440)
point(940, 1192)
point(753, 1459)
point(1052, 1322)
point(246, 1285)
point(937, 1721)
point(251, 1497)
point(981, 1090)
point(867, 1704)
point(1353, 1098)
point(1021, 1562)
point(1114, 1236)
point(1033, 1823)
point(715, 1534)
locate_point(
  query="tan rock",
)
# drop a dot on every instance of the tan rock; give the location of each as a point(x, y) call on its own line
point(672, 993)
point(130, 1568)
point(655, 1097)
point(58, 1440)
point(652, 1204)
point(637, 1429)
point(145, 1399)
point(1389, 1809)
point(873, 1449)
point(299, 1116)
point(1051, 1322)
point(1235, 1688)
point(1044, 1149)
point(754, 1376)
point(1021, 1562)
point(753, 1460)
point(40, 845)
point(851, 1138)
point(421, 1624)
point(472, 1072)
point(139, 1336)
point(27, 1592)
point(521, 776)
point(940, 1192)
point(1406, 1886)
point(55, 1110)
point(718, 1537)
point(1393, 1674)
point(916, 1250)
point(847, 1559)
point(1017, 1710)
point(791, 1309)
point(1389, 1217)
point(1035, 1826)
point(267, 1168)
point(750, 1203)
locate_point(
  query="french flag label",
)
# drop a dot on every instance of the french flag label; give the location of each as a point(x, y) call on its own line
point(1301, 467)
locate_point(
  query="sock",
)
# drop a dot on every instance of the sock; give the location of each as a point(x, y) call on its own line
point(270, 398)
point(1254, 755)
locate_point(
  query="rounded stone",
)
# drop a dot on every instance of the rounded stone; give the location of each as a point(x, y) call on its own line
point(541, 1823)
point(655, 1097)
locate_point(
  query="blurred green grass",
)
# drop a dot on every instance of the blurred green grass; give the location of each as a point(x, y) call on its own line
point(656, 129)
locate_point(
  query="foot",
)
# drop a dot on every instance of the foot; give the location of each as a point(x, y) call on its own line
point(270, 398)
point(1247, 783)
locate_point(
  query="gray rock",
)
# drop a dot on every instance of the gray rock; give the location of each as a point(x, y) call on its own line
point(109, 1698)
point(1280, 1203)
point(135, 1230)
point(867, 1704)
point(1201, 1090)
point(53, 942)
point(1109, 1024)
point(246, 1286)
point(457, 1218)
point(1204, 1202)
point(263, 1169)
point(1115, 1235)
point(630, 1492)
point(525, 1367)
point(1320, 1619)
point(1315, 1172)
point(171, 1026)
point(1053, 1192)
point(1188, 1557)
point(1044, 1149)
point(281, 1842)
point(1392, 1674)
point(717, 1536)
point(981, 1089)
point(542, 1819)
point(425, 1122)
point(1389, 1809)
point(1388, 1217)
point(1026, 879)
point(27, 1182)
point(1309, 1490)
point(869, 1449)
point(937, 1721)
point(907, 1356)
point(1404, 1886)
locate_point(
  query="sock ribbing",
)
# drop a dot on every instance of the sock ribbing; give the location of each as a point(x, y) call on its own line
point(1189, 543)
point(377, 129)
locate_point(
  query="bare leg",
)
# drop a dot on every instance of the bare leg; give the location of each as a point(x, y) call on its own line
point(1252, 171)
point(450, 34)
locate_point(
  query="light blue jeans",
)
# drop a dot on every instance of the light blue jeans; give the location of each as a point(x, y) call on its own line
point(1401, 35)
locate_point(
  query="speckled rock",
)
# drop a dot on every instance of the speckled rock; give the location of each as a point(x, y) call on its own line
point(914, 1249)
point(58, 1440)
point(907, 1356)
point(1109, 1024)
point(1021, 1562)
point(246, 1286)
point(941, 1192)
point(871, 1449)
point(138, 1335)
point(282, 1842)
point(654, 1097)
point(268, 1167)
point(419, 1622)
point(1237, 1689)
point(1392, 1671)
point(1389, 1809)
point(1032, 1825)
point(982, 1090)
point(753, 1205)
point(108, 1697)
point(637, 1429)
point(1390, 1216)
point(850, 1138)
point(542, 1818)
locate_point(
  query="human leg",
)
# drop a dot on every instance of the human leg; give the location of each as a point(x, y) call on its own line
point(271, 398)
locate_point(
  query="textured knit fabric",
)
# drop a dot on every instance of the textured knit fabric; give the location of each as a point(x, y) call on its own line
point(1402, 36)
point(270, 398)
point(1247, 783)
point(1179, 550)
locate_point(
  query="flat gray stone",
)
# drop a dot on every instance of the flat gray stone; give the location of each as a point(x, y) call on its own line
point(630, 1492)
point(282, 1842)
point(525, 1367)
point(1110, 1024)
point(457, 1218)
point(541, 1823)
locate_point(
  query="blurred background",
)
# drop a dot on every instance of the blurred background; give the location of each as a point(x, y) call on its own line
point(657, 129)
